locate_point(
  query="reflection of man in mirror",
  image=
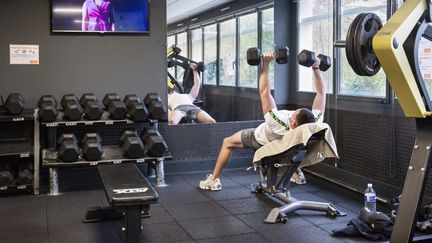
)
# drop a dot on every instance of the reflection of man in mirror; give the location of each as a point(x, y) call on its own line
point(182, 104)
point(276, 124)
point(97, 15)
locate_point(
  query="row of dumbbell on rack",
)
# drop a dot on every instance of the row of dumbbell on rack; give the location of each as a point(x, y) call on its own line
point(132, 146)
point(88, 107)
point(23, 175)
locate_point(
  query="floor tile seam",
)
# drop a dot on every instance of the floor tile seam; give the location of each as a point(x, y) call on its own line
point(177, 222)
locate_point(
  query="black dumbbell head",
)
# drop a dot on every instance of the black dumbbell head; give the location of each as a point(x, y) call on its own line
point(87, 97)
point(72, 111)
point(156, 146)
point(91, 137)
point(68, 98)
point(25, 166)
point(108, 98)
point(117, 110)
point(25, 177)
point(200, 67)
point(131, 98)
point(326, 62)
point(133, 147)
point(68, 151)
point(92, 150)
point(92, 110)
point(128, 133)
point(47, 112)
point(138, 111)
point(156, 110)
point(14, 104)
point(67, 137)
point(253, 56)
point(148, 132)
point(150, 97)
point(282, 54)
point(6, 178)
point(47, 99)
point(306, 58)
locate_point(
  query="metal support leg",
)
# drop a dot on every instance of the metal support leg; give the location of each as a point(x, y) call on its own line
point(415, 182)
point(160, 174)
point(36, 155)
point(132, 223)
point(53, 178)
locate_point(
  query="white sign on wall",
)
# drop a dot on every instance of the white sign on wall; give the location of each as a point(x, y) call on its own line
point(24, 54)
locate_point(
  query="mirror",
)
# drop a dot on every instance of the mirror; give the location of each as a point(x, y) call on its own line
point(229, 86)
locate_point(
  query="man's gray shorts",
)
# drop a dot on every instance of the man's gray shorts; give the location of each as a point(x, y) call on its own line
point(248, 139)
point(188, 109)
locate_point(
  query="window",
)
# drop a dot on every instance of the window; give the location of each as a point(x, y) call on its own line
point(182, 44)
point(196, 42)
point(227, 53)
point(267, 37)
point(248, 38)
point(315, 34)
point(210, 54)
point(351, 83)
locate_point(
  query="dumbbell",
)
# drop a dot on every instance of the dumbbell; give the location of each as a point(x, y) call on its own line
point(153, 142)
point(92, 148)
point(253, 55)
point(307, 58)
point(154, 106)
point(92, 109)
point(136, 108)
point(72, 110)
point(14, 104)
point(25, 173)
point(114, 106)
point(47, 108)
point(131, 144)
point(68, 149)
point(6, 176)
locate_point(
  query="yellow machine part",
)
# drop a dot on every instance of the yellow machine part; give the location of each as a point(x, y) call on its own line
point(388, 47)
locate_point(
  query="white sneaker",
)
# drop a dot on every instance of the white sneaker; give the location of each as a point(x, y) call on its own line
point(210, 184)
point(298, 178)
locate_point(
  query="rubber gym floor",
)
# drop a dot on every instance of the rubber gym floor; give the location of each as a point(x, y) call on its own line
point(184, 213)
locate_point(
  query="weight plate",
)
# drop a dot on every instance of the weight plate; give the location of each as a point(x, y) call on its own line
point(349, 43)
point(367, 27)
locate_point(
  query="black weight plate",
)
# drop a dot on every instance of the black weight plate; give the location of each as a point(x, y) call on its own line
point(349, 43)
point(364, 54)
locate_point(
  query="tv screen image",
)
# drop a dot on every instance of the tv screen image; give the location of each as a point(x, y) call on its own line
point(111, 16)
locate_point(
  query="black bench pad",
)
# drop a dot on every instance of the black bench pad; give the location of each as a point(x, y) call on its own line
point(125, 185)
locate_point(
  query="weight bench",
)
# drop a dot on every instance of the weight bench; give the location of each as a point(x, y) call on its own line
point(129, 195)
point(277, 161)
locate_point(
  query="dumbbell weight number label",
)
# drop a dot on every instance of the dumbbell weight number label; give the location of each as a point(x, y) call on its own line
point(129, 122)
point(94, 163)
point(54, 124)
point(117, 161)
point(140, 160)
point(18, 119)
point(22, 187)
point(109, 123)
point(25, 155)
point(88, 123)
point(3, 188)
point(71, 123)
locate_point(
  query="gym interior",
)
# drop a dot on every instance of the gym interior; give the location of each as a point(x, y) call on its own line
point(87, 153)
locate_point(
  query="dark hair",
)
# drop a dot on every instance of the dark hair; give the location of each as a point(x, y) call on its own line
point(305, 116)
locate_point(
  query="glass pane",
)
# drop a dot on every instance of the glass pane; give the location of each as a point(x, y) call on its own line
point(210, 51)
point(196, 38)
point(182, 44)
point(268, 37)
point(248, 38)
point(227, 71)
point(351, 83)
point(170, 42)
point(315, 34)
point(425, 63)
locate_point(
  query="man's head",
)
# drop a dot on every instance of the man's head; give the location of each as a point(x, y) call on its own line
point(301, 116)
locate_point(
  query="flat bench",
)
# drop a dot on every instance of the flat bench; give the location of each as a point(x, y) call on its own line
point(129, 195)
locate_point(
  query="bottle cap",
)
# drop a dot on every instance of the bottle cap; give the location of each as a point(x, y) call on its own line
point(369, 184)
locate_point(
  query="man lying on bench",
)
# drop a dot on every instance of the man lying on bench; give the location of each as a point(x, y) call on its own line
point(277, 124)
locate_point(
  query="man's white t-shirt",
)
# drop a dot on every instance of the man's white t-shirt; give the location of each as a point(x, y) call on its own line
point(175, 99)
point(271, 129)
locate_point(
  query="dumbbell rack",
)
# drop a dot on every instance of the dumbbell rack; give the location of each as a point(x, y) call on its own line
point(17, 149)
point(113, 154)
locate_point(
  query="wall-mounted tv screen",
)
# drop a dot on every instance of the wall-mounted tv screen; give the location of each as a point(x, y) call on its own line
point(101, 16)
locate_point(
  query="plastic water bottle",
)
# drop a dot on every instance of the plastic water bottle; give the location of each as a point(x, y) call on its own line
point(370, 198)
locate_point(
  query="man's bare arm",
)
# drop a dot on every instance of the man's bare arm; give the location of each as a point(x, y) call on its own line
point(267, 100)
point(197, 82)
point(320, 97)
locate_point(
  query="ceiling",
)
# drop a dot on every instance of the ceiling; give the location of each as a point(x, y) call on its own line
point(181, 9)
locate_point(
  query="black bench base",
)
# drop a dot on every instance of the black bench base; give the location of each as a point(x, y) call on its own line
point(97, 214)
